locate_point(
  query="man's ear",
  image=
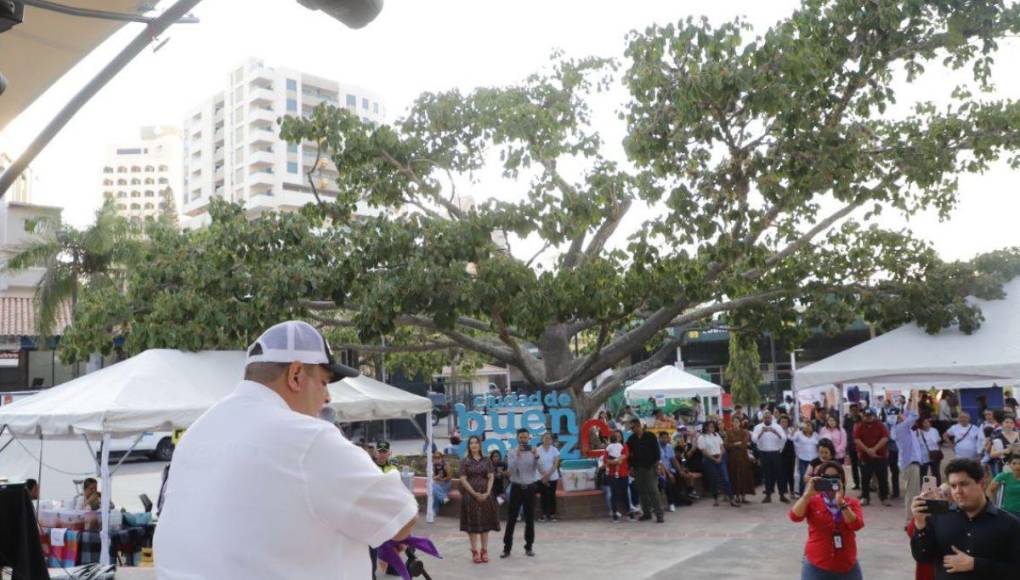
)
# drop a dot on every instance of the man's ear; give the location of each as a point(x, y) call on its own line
point(293, 377)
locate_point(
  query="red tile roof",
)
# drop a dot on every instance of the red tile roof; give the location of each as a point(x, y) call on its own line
point(17, 317)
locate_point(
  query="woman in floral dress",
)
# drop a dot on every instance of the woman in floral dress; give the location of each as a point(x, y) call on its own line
point(478, 511)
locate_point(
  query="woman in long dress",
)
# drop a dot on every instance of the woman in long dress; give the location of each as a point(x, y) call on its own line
point(738, 461)
point(478, 510)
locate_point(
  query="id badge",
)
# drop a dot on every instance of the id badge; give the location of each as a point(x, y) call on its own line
point(837, 541)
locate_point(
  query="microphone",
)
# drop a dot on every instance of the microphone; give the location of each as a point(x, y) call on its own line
point(328, 414)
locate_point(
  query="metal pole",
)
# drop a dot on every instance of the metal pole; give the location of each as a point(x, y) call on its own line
point(793, 385)
point(104, 507)
point(126, 55)
point(38, 482)
point(430, 514)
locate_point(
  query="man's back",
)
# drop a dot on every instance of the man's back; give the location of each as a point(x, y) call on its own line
point(245, 497)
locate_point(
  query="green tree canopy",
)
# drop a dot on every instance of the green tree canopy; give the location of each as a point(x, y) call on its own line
point(763, 163)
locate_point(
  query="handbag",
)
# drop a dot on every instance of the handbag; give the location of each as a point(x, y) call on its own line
point(934, 457)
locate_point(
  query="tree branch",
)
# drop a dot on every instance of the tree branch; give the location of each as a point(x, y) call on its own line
point(452, 209)
point(803, 239)
point(606, 230)
point(373, 348)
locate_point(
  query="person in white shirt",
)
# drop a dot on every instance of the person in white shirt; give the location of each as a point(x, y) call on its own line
point(805, 446)
point(710, 443)
point(549, 468)
point(260, 488)
point(928, 441)
point(967, 438)
point(770, 439)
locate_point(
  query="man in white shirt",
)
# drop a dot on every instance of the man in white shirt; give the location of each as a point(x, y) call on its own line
point(260, 488)
point(968, 439)
point(770, 439)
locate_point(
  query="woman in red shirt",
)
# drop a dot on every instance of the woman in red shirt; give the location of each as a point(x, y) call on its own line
point(833, 521)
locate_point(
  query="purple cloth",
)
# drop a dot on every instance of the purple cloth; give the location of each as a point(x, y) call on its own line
point(388, 553)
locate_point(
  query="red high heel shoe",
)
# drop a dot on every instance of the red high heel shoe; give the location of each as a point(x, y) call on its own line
point(475, 557)
point(485, 556)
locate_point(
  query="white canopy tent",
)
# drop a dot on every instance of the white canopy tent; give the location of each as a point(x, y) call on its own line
point(950, 358)
point(671, 382)
point(163, 390)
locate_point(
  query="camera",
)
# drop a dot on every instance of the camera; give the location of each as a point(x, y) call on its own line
point(827, 484)
point(526, 447)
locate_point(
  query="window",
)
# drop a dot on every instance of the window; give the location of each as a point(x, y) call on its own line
point(163, 181)
point(107, 182)
point(292, 167)
point(135, 206)
point(364, 103)
point(136, 169)
point(291, 85)
point(149, 206)
point(136, 194)
point(352, 101)
point(149, 169)
point(292, 147)
point(164, 168)
point(122, 194)
point(122, 182)
point(121, 207)
point(149, 193)
point(129, 151)
point(136, 181)
point(375, 108)
point(107, 169)
point(149, 181)
point(122, 169)
point(239, 175)
point(291, 106)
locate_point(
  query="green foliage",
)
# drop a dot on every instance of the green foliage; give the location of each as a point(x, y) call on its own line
point(763, 162)
point(744, 370)
point(73, 259)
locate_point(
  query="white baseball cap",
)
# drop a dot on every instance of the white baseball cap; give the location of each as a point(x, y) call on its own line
point(296, 341)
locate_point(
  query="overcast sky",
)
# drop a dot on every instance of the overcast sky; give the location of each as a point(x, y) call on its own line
point(415, 46)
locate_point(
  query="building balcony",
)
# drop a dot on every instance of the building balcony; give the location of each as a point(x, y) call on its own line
point(261, 97)
point(261, 159)
point(262, 114)
point(261, 180)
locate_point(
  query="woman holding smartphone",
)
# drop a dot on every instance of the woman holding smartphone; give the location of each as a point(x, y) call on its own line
point(833, 522)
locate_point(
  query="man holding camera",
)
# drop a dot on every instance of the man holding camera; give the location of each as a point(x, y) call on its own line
point(971, 539)
point(522, 465)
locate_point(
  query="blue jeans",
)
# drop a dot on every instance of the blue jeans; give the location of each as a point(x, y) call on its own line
point(811, 572)
point(440, 491)
point(801, 470)
point(718, 477)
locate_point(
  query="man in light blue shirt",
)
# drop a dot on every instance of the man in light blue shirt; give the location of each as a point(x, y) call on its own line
point(909, 454)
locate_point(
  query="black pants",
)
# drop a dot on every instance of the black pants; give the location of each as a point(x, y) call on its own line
point(894, 471)
point(520, 496)
point(879, 467)
point(855, 466)
point(772, 470)
point(547, 492)
point(787, 466)
point(620, 496)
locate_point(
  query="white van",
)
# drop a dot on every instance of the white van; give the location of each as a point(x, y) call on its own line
point(157, 445)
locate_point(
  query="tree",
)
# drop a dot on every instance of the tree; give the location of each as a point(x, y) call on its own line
point(744, 370)
point(761, 164)
point(73, 259)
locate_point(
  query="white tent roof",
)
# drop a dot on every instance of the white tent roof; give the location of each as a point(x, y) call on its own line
point(911, 355)
point(161, 390)
point(671, 383)
point(366, 399)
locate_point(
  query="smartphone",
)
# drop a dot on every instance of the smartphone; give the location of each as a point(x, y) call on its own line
point(929, 485)
point(826, 484)
point(936, 506)
point(526, 447)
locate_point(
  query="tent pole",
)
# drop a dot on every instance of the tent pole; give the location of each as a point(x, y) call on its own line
point(104, 514)
point(38, 482)
point(430, 515)
point(839, 402)
point(793, 384)
point(2, 429)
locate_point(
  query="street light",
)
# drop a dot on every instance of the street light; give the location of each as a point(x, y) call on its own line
point(353, 13)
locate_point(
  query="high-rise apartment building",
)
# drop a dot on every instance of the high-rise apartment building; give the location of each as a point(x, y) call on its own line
point(21, 191)
point(232, 147)
point(143, 177)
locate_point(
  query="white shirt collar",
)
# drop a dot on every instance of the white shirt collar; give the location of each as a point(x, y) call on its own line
point(253, 390)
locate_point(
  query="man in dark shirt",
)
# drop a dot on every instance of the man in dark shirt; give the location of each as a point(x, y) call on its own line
point(643, 458)
point(849, 422)
point(974, 539)
point(871, 438)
